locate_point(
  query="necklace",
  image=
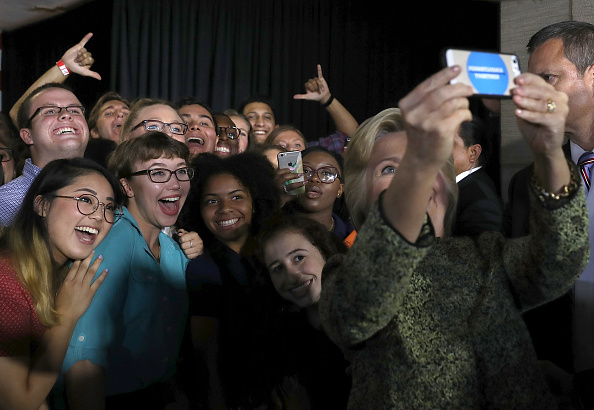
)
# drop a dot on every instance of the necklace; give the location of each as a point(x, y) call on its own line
point(331, 225)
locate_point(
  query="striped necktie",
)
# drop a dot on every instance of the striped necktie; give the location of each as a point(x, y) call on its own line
point(585, 164)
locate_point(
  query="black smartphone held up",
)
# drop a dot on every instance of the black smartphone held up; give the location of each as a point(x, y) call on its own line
point(292, 159)
point(490, 74)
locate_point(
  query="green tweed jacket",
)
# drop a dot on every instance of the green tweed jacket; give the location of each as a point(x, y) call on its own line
point(437, 324)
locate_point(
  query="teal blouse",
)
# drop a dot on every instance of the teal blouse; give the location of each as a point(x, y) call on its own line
point(135, 323)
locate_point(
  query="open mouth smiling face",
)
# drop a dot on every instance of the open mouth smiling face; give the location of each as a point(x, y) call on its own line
point(157, 203)
point(295, 266)
point(65, 130)
point(226, 208)
point(73, 235)
point(201, 135)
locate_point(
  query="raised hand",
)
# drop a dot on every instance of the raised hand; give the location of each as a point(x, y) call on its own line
point(282, 177)
point(541, 113)
point(78, 288)
point(190, 243)
point(542, 127)
point(78, 60)
point(316, 89)
point(433, 111)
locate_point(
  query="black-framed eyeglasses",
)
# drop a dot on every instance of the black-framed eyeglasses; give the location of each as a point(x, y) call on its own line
point(327, 175)
point(177, 128)
point(230, 132)
point(162, 175)
point(54, 111)
point(6, 154)
point(87, 204)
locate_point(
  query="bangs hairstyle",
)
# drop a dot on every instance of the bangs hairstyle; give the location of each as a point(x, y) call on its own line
point(96, 110)
point(152, 145)
point(357, 156)
point(253, 171)
point(27, 242)
point(132, 118)
point(279, 130)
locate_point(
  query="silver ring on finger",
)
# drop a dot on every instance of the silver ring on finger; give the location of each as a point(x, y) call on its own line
point(285, 189)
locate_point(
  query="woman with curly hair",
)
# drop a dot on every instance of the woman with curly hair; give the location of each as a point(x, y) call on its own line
point(229, 201)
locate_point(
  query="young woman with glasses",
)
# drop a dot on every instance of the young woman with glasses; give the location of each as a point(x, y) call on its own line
point(124, 350)
point(324, 190)
point(149, 114)
point(67, 212)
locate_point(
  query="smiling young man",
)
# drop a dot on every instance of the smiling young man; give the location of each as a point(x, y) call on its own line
point(202, 134)
point(108, 115)
point(258, 110)
point(52, 123)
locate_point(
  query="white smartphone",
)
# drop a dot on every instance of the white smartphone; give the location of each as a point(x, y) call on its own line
point(292, 159)
point(490, 74)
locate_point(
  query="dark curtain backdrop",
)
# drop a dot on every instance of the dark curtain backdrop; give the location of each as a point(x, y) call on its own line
point(30, 51)
point(221, 51)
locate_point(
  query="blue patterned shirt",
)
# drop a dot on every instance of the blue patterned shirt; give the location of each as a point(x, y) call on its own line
point(335, 142)
point(13, 193)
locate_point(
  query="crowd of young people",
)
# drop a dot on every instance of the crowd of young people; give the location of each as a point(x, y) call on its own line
point(178, 266)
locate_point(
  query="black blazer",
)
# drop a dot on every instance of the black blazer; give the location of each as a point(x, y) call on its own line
point(480, 207)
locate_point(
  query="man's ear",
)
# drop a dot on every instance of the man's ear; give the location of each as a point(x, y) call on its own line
point(40, 205)
point(475, 153)
point(25, 134)
point(94, 133)
point(127, 188)
point(589, 78)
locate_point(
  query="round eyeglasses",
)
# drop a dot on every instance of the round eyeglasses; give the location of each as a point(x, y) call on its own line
point(87, 204)
point(162, 175)
point(5, 154)
point(326, 175)
point(231, 133)
point(54, 111)
point(177, 128)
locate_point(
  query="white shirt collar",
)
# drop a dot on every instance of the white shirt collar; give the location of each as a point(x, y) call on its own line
point(576, 152)
point(464, 174)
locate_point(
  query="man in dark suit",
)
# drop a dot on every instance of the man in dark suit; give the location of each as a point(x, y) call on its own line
point(479, 207)
point(563, 330)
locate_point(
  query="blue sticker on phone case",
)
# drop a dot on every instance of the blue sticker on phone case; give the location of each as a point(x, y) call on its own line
point(487, 73)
